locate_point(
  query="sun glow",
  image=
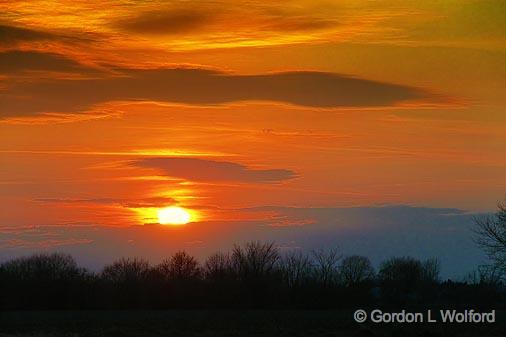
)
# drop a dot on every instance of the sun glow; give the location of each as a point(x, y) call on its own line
point(173, 216)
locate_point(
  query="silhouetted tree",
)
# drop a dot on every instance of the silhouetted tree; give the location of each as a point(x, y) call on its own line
point(43, 281)
point(255, 265)
point(485, 275)
point(296, 269)
point(222, 284)
point(406, 278)
point(402, 270)
point(355, 269)
point(251, 276)
point(430, 270)
point(255, 260)
point(42, 267)
point(127, 283)
point(179, 279)
point(325, 263)
point(127, 270)
point(180, 266)
point(399, 278)
point(491, 236)
point(218, 267)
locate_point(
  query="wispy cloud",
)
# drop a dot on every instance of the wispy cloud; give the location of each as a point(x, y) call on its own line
point(171, 21)
point(194, 26)
point(207, 19)
point(205, 87)
point(129, 203)
point(12, 35)
point(42, 244)
point(195, 169)
point(14, 61)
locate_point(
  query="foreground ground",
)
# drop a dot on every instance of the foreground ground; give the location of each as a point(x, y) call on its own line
point(220, 323)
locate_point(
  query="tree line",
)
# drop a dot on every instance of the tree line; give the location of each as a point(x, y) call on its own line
point(255, 275)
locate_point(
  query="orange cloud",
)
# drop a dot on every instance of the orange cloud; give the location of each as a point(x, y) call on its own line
point(22, 61)
point(166, 22)
point(198, 26)
point(211, 20)
point(12, 35)
point(129, 203)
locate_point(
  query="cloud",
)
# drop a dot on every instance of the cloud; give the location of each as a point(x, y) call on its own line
point(41, 237)
point(299, 24)
point(203, 87)
point(195, 169)
point(16, 61)
point(12, 35)
point(172, 21)
point(42, 244)
point(382, 232)
point(180, 21)
point(129, 203)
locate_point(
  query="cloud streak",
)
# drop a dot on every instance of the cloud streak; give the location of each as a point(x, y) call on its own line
point(17, 61)
point(12, 35)
point(130, 203)
point(213, 20)
point(204, 87)
point(166, 22)
point(195, 169)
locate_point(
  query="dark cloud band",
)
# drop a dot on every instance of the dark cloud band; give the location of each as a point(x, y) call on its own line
point(195, 169)
point(16, 61)
point(202, 87)
point(12, 35)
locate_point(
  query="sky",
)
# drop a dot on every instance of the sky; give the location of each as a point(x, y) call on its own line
point(374, 126)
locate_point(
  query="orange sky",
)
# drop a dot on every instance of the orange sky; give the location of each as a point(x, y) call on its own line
point(109, 112)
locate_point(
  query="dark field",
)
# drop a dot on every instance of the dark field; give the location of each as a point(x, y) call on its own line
point(202, 323)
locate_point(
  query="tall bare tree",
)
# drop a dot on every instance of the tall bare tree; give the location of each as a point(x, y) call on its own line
point(296, 268)
point(325, 266)
point(127, 270)
point(491, 236)
point(180, 266)
point(485, 275)
point(218, 267)
point(255, 260)
point(355, 269)
point(430, 270)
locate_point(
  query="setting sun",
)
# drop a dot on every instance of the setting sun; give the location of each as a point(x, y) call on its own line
point(173, 216)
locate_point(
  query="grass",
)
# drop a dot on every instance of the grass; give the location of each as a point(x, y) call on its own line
point(203, 323)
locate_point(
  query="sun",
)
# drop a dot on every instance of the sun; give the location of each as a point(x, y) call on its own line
point(173, 216)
